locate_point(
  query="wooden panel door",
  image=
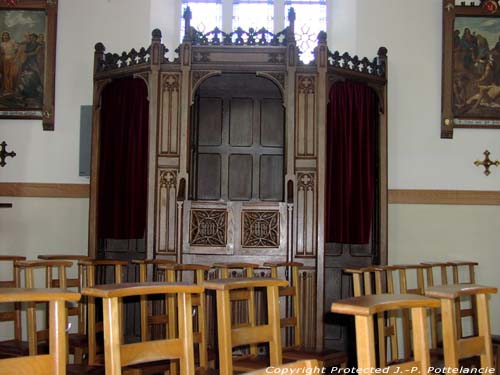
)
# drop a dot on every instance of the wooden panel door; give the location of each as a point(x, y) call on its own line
point(238, 140)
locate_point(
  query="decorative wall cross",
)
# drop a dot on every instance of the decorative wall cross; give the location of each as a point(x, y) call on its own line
point(4, 153)
point(487, 163)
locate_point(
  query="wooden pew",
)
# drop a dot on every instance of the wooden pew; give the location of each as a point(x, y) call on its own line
point(55, 362)
point(118, 355)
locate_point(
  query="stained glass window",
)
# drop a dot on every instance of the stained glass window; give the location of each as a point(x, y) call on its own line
point(207, 14)
point(253, 13)
point(310, 20)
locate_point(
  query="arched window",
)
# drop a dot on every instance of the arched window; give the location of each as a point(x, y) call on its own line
point(207, 14)
point(311, 19)
point(270, 14)
point(253, 13)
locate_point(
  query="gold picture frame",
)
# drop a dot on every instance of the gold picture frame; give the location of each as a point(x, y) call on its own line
point(28, 31)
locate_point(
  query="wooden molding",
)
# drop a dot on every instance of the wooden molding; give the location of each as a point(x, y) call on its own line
point(457, 197)
point(39, 190)
point(407, 196)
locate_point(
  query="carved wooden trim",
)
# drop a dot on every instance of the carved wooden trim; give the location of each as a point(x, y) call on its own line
point(198, 77)
point(448, 197)
point(278, 78)
point(166, 232)
point(306, 211)
point(170, 107)
point(39, 190)
point(305, 116)
point(260, 228)
point(208, 228)
point(396, 196)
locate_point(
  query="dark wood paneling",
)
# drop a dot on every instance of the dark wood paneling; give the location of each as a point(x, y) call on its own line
point(271, 180)
point(210, 125)
point(209, 172)
point(240, 177)
point(241, 121)
point(272, 123)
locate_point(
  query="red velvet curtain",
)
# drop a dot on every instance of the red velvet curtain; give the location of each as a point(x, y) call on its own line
point(123, 160)
point(350, 169)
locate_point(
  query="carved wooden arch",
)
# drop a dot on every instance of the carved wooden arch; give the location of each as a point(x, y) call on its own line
point(198, 77)
point(279, 79)
point(99, 86)
point(377, 88)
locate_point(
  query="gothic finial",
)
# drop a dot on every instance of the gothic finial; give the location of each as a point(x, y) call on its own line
point(99, 48)
point(156, 34)
point(382, 52)
point(187, 24)
point(291, 27)
point(322, 37)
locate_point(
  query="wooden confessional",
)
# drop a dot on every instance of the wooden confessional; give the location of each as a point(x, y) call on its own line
point(236, 166)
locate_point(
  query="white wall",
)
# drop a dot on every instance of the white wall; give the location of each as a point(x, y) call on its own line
point(418, 157)
point(60, 225)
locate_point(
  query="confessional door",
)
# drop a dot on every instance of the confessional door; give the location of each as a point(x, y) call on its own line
point(237, 161)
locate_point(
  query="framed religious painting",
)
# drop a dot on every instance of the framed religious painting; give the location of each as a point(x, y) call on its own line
point(471, 66)
point(27, 60)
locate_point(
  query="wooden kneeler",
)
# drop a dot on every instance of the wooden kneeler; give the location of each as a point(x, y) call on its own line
point(118, 355)
point(230, 337)
point(55, 362)
point(364, 309)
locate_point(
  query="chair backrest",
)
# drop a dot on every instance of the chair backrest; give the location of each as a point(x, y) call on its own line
point(364, 309)
point(376, 280)
point(78, 309)
point(309, 366)
point(291, 321)
point(94, 272)
point(48, 266)
point(154, 318)
point(455, 346)
point(118, 355)
point(243, 307)
point(12, 315)
point(196, 273)
point(230, 337)
point(55, 361)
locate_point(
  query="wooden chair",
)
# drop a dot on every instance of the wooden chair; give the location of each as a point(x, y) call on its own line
point(12, 347)
point(119, 355)
point(55, 361)
point(291, 322)
point(98, 272)
point(495, 339)
point(243, 301)
point(36, 336)
point(455, 347)
point(78, 341)
point(308, 366)
point(376, 280)
point(230, 337)
point(402, 273)
point(364, 309)
point(147, 319)
point(196, 273)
